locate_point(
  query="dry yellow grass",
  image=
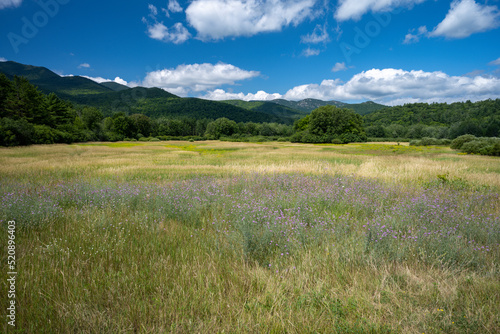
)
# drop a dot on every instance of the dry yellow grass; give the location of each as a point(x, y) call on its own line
point(171, 160)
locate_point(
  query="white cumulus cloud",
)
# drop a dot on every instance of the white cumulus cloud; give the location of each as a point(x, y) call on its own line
point(174, 6)
point(84, 65)
point(389, 86)
point(2, 59)
point(354, 9)
point(101, 80)
point(217, 19)
point(10, 3)
point(339, 67)
point(466, 17)
point(177, 34)
point(196, 77)
point(220, 94)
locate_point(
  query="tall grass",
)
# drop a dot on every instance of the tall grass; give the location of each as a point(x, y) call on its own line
point(241, 251)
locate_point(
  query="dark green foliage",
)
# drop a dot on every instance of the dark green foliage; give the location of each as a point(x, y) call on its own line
point(15, 132)
point(474, 145)
point(457, 143)
point(438, 120)
point(124, 126)
point(48, 81)
point(92, 118)
point(287, 114)
point(483, 146)
point(44, 134)
point(143, 124)
point(427, 141)
point(157, 103)
point(328, 123)
point(302, 124)
point(377, 131)
point(25, 101)
point(114, 86)
point(308, 105)
point(221, 127)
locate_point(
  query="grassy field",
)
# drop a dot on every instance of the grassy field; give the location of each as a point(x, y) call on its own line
point(217, 237)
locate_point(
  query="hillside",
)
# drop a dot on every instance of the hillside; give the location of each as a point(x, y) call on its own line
point(270, 108)
point(435, 113)
point(114, 86)
point(48, 81)
point(112, 97)
point(308, 105)
point(155, 102)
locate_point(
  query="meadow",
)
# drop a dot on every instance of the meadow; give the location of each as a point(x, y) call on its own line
point(219, 237)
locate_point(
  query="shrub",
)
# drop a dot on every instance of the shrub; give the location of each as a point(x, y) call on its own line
point(44, 134)
point(483, 146)
point(336, 141)
point(426, 141)
point(457, 143)
point(15, 132)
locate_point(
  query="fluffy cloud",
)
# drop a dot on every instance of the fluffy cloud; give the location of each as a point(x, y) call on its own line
point(354, 9)
point(465, 18)
point(217, 19)
point(84, 65)
point(153, 11)
point(101, 80)
point(2, 59)
point(174, 6)
point(10, 3)
point(177, 34)
point(389, 86)
point(414, 38)
point(220, 94)
point(339, 67)
point(494, 62)
point(196, 77)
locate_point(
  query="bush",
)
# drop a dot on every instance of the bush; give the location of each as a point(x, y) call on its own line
point(457, 143)
point(426, 141)
point(483, 146)
point(15, 132)
point(44, 134)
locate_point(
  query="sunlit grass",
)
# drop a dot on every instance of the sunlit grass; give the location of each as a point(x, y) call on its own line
point(214, 237)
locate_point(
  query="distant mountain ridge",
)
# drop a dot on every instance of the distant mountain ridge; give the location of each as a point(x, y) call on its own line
point(308, 105)
point(155, 102)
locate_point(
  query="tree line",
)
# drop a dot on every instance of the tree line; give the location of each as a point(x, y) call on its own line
point(435, 120)
point(28, 116)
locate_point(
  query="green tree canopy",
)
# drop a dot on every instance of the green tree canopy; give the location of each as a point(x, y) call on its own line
point(328, 123)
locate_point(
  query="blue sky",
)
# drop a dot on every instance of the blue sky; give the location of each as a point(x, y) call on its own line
point(388, 51)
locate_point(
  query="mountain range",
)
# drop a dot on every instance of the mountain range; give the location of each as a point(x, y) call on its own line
point(155, 102)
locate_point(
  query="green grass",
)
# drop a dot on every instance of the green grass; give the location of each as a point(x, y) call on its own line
point(159, 238)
